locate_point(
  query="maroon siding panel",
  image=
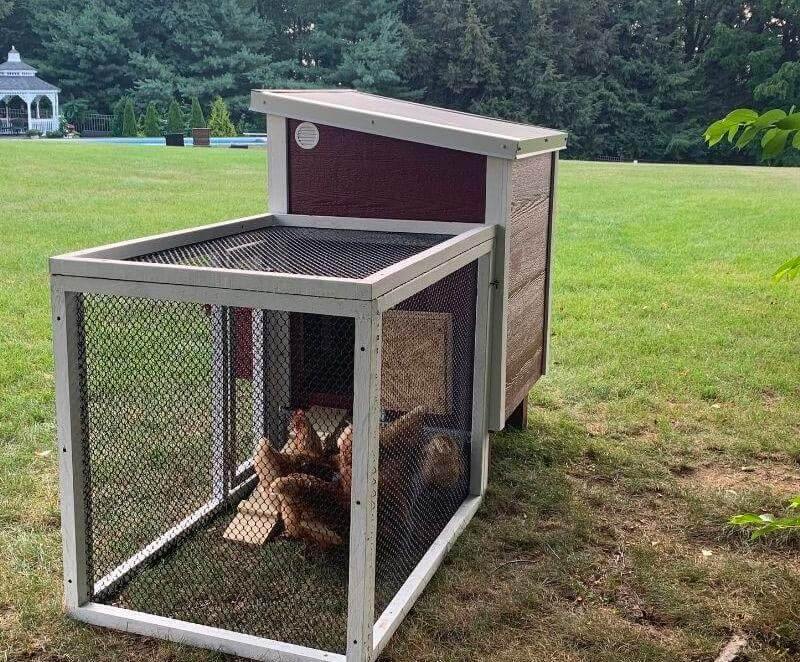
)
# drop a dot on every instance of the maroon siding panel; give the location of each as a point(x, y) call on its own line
point(350, 173)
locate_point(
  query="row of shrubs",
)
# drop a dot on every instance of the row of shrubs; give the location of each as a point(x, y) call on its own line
point(125, 123)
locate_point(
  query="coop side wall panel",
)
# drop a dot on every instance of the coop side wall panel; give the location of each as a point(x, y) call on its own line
point(349, 173)
point(528, 236)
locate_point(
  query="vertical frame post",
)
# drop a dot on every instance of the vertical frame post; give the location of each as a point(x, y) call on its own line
point(277, 166)
point(222, 402)
point(259, 398)
point(66, 350)
point(479, 447)
point(548, 288)
point(277, 370)
point(498, 203)
point(364, 492)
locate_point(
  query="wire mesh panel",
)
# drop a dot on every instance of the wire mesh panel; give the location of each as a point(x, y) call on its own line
point(426, 404)
point(295, 250)
point(217, 447)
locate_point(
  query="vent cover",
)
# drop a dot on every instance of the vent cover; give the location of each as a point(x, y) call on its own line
point(306, 135)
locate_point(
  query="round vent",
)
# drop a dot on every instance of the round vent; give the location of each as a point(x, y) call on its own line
point(306, 135)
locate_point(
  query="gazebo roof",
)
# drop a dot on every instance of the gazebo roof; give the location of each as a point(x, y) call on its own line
point(18, 76)
point(25, 84)
point(14, 63)
point(16, 66)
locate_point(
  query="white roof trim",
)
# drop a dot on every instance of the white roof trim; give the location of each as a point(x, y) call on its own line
point(17, 90)
point(294, 104)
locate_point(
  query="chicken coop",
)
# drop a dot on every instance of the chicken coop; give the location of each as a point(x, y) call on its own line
point(272, 429)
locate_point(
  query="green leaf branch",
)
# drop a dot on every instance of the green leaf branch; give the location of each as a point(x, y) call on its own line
point(741, 126)
point(776, 127)
point(789, 270)
point(767, 523)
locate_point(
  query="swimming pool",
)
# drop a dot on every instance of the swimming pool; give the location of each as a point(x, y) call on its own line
point(215, 142)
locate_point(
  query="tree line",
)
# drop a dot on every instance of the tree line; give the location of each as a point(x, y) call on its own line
point(152, 123)
point(634, 79)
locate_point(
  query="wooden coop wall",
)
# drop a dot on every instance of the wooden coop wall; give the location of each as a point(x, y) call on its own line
point(528, 229)
point(350, 173)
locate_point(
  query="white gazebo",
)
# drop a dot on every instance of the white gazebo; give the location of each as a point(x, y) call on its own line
point(20, 86)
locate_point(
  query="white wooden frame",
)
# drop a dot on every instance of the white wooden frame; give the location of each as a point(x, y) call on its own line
point(104, 270)
point(498, 208)
point(112, 261)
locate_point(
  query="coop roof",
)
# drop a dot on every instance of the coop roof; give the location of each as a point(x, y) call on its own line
point(409, 121)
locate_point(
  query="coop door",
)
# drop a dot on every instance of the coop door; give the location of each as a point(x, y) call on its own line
point(414, 340)
point(322, 361)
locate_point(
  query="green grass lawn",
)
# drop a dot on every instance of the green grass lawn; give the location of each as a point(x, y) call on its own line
point(673, 401)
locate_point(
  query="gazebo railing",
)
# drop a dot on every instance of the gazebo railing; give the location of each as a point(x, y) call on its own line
point(44, 125)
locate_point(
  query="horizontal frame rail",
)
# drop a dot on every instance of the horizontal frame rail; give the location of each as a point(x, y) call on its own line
point(183, 632)
point(411, 287)
point(213, 295)
point(178, 274)
point(401, 604)
point(374, 224)
point(387, 279)
point(161, 242)
point(111, 262)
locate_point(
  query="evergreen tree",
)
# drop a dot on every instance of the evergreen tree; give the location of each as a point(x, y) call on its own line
point(202, 48)
point(5, 8)
point(352, 43)
point(175, 121)
point(197, 120)
point(473, 72)
point(129, 119)
point(87, 48)
point(220, 120)
point(117, 117)
point(152, 122)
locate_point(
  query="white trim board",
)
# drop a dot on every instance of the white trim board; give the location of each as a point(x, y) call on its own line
point(277, 171)
point(212, 295)
point(404, 600)
point(498, 206)
point(411, 287)
point(183, 632)
point(122, 250)
point(367, 350)
point(66, 352)
point(375, 224)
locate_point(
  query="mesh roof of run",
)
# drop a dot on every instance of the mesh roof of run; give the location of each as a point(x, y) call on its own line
point(297, 250)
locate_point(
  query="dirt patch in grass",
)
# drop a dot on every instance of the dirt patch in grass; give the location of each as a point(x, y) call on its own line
point(713, 476)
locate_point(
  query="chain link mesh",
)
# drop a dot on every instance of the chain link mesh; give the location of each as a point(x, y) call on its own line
point(216, 476)
point(217, 451)
point(426, 398)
